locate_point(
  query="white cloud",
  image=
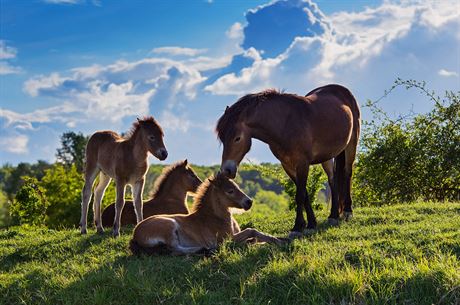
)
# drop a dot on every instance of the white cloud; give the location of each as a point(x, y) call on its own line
point(7, 53)
point(353, 39)
point(179, 51)
point(447, 73)
point(16, 144)
point(235, 31)
point(170, 121)
point(62, 1)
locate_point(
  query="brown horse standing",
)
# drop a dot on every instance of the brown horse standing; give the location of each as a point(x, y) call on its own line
point(125, 161)
point(300, 131)
point(205, 228)
point(169, 196)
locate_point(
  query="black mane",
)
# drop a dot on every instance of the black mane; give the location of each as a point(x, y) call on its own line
point(226, 124)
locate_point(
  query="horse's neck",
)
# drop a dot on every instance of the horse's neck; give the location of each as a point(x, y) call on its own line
point(137, 146)
point(262, 128)
point(208, 210)
point(169, 190)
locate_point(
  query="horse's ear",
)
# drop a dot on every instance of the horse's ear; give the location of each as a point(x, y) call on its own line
point(226, 108)
point(185, 162)
point(138, 120)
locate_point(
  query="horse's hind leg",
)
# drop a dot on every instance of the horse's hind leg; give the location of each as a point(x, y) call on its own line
point(90, 175)
point(104, 181)
point(328, 167)
point(119, 204)
point(350, 154)
point(137, 194)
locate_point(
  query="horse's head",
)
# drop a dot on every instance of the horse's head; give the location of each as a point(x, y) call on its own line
point(187, 177)
point(152, 136)
point(236, 139)
point(229, 193)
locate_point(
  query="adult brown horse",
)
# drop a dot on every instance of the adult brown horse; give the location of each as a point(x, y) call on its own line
point(300, 131)
point(169, 195)
point(123, 159)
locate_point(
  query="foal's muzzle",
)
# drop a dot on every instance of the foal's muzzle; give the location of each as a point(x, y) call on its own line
point(161, 154)
point(246, 204)
point(229, 168)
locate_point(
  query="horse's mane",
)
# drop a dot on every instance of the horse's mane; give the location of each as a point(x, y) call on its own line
point(137, 124)
point(245, 105)
point(160, 181)
point(200, 194)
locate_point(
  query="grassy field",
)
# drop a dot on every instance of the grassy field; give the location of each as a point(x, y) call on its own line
point(403, 254)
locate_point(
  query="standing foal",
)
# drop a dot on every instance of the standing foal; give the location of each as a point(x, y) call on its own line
point(123, 159)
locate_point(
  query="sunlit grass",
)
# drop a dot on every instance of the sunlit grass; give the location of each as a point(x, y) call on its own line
point(403, 254)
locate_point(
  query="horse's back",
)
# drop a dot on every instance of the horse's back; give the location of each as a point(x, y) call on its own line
point(339, 91)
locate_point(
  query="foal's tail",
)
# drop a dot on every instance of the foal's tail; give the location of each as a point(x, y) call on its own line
point(159, 249)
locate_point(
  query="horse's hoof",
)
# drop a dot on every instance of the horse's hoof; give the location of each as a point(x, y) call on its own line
point(347, 216)
point(308, 231)
point(333, 221)
point(115, 234)
point(83, 231)
point(100, 230)
point(295, 235)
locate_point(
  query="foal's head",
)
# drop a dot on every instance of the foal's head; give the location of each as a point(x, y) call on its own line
point(185, 176)
point(229, 194)
point(152, 136)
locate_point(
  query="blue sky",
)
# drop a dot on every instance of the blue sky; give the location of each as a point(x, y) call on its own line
point(85, 65)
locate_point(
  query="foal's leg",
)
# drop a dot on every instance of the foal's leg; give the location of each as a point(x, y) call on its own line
point(137, 194)
point(104, 181)
point(119, 204)
point(90, 176)
point(250, 233)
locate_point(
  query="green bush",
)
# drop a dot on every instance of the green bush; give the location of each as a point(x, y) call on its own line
point(29, 205)
point(412, 157)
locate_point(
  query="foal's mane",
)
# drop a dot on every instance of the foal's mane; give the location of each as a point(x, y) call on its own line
point(200, 194)
point(245, 105)
point(160, 181)
point(137, 124)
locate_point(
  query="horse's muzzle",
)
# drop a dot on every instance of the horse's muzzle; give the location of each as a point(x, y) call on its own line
point(161, 154)
point(229, 168)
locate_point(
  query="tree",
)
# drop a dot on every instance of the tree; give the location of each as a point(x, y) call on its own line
point(72, 150)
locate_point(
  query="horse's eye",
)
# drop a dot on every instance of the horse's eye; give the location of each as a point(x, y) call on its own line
point(230, 191)
point(151, 138)
point(237, 139)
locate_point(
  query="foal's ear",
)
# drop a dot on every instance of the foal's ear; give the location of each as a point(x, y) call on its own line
point(138, 120)
point(185, 162)
point(226, 108)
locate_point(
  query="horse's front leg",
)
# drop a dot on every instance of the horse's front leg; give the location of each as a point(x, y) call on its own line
point(90, 176)
point(137, 193)
point(250, 233)
point(119, 204)
point(104, 181)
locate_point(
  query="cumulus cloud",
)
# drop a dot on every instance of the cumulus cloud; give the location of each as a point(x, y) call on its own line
point(447, 73)
point(318, 47)
point(179, 51)
point(235, 31)
point(7, 53)
point(16, 144)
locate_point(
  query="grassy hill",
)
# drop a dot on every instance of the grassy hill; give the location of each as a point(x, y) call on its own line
point(403, 254)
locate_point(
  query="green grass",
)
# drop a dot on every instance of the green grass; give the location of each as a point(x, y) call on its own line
point(403, 254)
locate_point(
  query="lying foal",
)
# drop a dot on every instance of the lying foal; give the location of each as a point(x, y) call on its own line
point(169, 195)
point(205, 228)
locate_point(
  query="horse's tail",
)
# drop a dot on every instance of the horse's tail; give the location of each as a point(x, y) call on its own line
point(339, 175)
point(159, 249)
